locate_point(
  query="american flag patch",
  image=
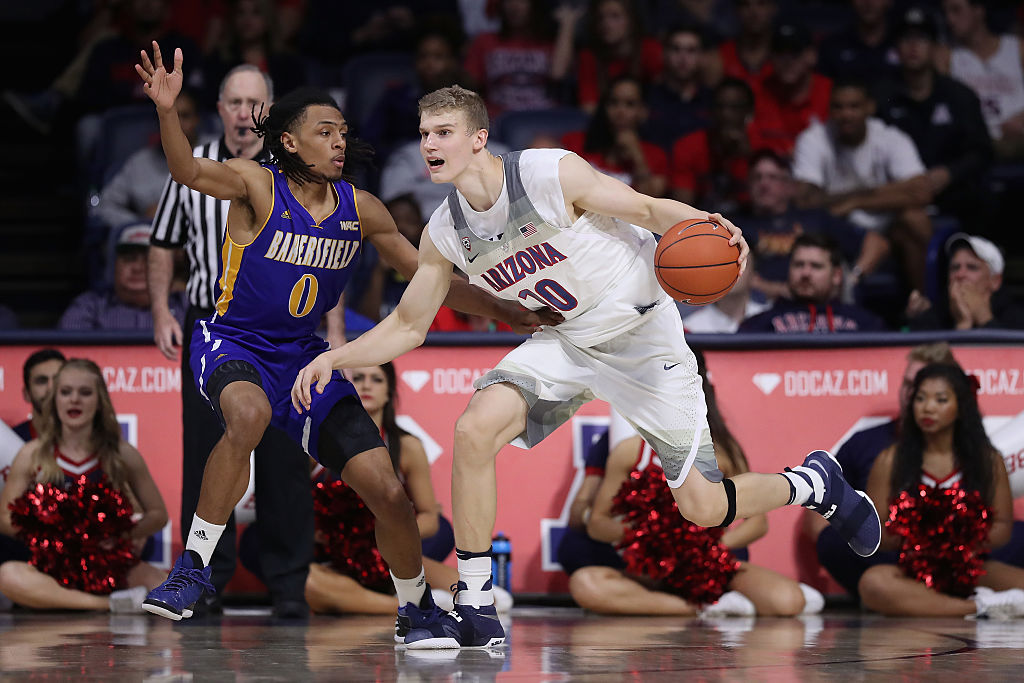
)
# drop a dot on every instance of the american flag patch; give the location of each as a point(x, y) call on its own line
point(528, 230)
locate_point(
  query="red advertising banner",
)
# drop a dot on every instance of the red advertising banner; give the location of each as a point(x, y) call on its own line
point(780, 404)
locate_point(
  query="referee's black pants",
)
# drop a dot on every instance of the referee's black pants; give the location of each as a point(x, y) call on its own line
point(284, 503)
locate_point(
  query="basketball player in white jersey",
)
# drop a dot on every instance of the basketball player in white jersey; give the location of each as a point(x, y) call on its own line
point(542, 227)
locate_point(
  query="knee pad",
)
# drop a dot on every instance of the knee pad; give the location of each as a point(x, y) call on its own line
point(347, 432)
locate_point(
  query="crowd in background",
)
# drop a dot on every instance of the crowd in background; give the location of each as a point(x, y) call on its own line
point(869, 150)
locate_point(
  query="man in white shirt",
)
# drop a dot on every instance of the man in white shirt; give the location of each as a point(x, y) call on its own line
point(725, 315)
point(859, 167)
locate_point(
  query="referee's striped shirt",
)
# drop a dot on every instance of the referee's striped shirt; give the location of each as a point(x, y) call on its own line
point(187, 218)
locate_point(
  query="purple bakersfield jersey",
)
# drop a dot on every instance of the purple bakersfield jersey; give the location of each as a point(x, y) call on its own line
point(282, 283)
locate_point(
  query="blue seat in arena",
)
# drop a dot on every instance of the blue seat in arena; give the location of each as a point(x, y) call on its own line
point(366, 77)
point(517, 129)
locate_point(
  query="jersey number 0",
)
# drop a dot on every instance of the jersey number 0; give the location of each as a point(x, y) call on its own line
point(303, 296)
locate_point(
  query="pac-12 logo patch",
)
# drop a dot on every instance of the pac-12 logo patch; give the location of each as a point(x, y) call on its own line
point(467, 244)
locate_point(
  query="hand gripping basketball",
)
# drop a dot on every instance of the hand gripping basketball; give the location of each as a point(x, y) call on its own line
point(699, 260)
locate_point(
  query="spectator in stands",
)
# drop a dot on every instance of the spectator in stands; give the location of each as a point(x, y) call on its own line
point(774, 223)
point(976, 299)
point(748, 56)
point(715, 18)
point(864, 49)
point(37, 373)
point(335, 31)
point(612, 140)
point(378, 292)
point(942, 444)
point(133, 194)
point(815, 280)
point(395, 118)
point(107, 83)
point(679, 103)
point(126, 305)
point(251, 36)
point(709, 167)
point(617, 46)
point(792, 96)
point(725, 315)
point(942, 116)
point(857, 455)
point(859, 167)
point(519, 66)
point(992, 66)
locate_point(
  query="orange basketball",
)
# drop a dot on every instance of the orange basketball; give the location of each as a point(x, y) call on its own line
point(695, 263)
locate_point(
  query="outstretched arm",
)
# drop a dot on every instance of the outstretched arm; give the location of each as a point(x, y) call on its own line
point(379, 227)
point(588, 190)
point(403, 330)
point(203, 175)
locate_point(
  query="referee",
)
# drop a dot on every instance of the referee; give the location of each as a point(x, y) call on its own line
point(197, 222)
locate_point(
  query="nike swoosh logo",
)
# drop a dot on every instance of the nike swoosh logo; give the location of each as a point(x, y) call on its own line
point(472, 259)
point(819, 466)
point(669, 367)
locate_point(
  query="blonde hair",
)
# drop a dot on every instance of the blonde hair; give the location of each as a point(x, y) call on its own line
point(939, 352)
point(456, 98)
point(106, 433)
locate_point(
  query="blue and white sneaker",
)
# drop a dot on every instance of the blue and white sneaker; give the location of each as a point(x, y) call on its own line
point(420, 616)
point(185, 585)
point(465, 626)
point(850, 511)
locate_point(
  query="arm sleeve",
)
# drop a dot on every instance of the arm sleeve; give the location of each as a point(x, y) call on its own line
point(171, 221)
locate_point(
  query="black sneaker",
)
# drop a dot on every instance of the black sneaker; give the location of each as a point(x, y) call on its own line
point(465, 626)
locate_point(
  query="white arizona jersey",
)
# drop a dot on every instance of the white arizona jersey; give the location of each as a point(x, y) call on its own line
point(598, 271)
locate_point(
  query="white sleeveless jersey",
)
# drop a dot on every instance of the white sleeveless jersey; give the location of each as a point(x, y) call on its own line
point(598, 271)
point(998, 81)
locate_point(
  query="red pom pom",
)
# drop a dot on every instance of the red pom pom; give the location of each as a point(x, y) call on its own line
point(661, 545)
point(943, 532)
point(79, 535)
point(345, 534)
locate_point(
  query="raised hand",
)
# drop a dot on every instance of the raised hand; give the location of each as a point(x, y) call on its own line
point(160, 85)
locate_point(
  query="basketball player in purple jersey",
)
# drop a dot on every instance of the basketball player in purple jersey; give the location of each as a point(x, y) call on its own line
point(293, 232)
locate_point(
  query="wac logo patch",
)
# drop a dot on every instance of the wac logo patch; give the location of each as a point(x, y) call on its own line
point(467, 244)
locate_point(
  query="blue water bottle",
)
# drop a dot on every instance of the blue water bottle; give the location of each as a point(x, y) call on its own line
point(501, 561)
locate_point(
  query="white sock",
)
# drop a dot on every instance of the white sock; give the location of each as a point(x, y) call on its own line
point(475, 572)
point(814, 601)
point(203, 537)
point(410, 590)
point(802, 491)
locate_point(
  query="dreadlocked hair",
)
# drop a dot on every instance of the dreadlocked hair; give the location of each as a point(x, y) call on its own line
point(285, 116)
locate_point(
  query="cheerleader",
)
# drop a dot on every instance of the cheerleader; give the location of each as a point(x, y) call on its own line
point(943, 445)
point(605, 588)
point(80, 437)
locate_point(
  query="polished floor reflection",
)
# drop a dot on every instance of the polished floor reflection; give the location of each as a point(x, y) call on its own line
point(545, 644)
